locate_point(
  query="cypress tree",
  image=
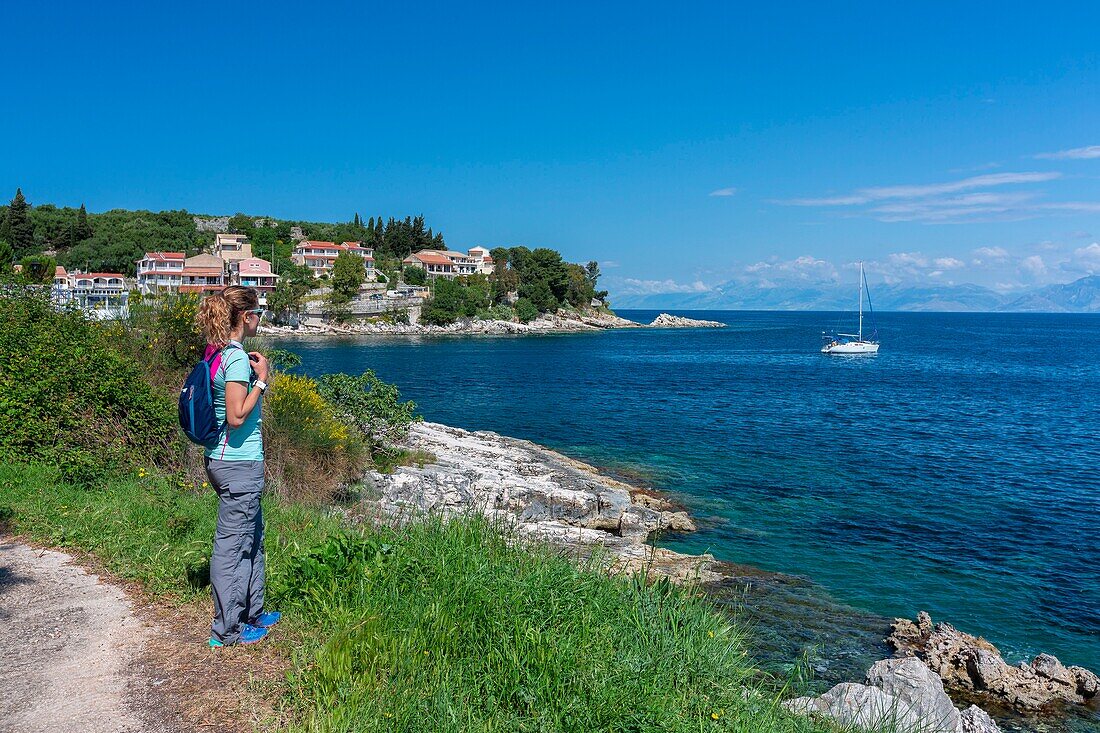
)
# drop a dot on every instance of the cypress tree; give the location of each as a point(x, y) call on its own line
point(20, 228)
point(83, 228)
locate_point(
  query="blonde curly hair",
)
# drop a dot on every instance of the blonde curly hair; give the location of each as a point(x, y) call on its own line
point(221, 312)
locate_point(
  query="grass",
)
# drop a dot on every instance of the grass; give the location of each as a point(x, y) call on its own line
point(431, 626)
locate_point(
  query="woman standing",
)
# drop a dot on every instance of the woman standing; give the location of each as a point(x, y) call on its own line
point(235, 466)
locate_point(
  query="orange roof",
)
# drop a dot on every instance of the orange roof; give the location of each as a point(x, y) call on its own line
point(432, 258)
point(313, 243)
point(162, 256)
point(202, 271)
point(352, 245)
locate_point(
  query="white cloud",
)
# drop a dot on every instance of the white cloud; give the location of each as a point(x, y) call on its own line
point(801, 268)
point(868, 195)
point(1088, 257)
point(609, 264)
point(650, 287)
point(1089, 151)
point(949, 263)
point(991, 253)
point(1034, 266)
point(723, 192)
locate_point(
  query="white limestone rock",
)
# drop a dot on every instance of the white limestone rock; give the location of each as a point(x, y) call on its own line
point(540, 493)
point(863, 706)
point(912, 682)
point(667, 320)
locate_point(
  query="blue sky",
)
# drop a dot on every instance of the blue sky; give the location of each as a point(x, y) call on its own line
point(680, 147)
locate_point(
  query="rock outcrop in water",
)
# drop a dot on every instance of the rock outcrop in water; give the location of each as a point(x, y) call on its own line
point(543, 495)
point(901, 695)
point(667, 320)
point(972, 664)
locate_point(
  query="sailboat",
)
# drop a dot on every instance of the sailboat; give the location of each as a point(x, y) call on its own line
point(853, 343)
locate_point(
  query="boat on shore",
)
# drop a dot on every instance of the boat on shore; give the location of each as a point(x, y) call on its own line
point(853, 343)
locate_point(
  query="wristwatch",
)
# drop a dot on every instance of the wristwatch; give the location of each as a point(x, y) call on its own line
point(261, 385)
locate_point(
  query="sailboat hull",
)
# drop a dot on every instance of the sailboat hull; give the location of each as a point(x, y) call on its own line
point(852, 347)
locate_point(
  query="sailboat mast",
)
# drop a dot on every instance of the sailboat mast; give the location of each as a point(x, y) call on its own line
point(861, 300)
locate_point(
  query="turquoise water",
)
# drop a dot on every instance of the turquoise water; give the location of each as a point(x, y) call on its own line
point(954, 472)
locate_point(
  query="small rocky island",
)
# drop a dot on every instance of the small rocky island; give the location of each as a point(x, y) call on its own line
point(667, 320)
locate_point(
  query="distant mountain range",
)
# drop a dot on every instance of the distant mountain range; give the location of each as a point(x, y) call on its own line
point(1079, 296)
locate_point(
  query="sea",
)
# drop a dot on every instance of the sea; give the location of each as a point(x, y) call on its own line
point(954, 472)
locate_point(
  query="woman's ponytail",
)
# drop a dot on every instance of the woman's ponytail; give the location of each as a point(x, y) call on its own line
point(214, 319)
point(220, 313)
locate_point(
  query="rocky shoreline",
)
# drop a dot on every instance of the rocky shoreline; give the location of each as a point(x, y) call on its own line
point(540, 494)
point(548, 323)
point(545, 496)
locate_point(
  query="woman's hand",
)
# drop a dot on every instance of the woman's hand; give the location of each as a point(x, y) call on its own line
point(259, 363)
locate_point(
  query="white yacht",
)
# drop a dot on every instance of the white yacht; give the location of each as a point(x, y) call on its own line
point(853, 343)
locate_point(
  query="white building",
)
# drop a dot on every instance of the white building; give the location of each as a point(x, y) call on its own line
point(450, 264)
point(319, 256)
point(232, 248)
point(158, 271)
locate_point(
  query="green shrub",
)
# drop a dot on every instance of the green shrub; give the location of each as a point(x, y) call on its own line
point(70, 395)
point(310, 452)
point(372, 406)
point(526, 310)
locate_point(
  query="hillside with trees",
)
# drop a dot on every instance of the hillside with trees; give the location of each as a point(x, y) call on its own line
point(113, 241)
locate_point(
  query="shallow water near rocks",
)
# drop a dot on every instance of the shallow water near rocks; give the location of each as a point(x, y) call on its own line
point(954, 472)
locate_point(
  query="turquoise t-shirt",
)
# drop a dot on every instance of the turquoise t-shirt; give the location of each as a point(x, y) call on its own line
point(244, 443)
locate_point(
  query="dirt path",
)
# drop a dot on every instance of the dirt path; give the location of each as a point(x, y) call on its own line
point(71, 648)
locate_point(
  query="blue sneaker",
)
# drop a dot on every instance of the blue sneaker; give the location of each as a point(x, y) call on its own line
point(251, 634)
point(268, 619)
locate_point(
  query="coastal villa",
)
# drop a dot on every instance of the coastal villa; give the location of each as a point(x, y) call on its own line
point(232, 248)
point(104, 291)
point(203, 274)
point(448, 263)
point(319, 256)
point(484, 261)
point(256, 273)
point(158, 271)
point(60, 279)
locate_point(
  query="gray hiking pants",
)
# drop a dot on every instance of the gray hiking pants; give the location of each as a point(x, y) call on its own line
point(237, 564)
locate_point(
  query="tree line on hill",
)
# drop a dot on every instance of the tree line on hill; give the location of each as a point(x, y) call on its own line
point(114, 240)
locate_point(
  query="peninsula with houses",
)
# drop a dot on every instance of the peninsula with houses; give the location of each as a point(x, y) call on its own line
point(395, 277)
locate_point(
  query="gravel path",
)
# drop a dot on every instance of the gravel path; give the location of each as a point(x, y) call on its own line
point(70, 647)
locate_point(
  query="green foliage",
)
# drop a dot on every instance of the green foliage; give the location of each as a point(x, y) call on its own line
point(288, 295)
point(413, 275)
point(241, 224)
point(348, 273)
point(6, 256)
point(19, 231)
point(121, 238)
point(526, 310)
point(311, 453)
point(374, 407)
point(162, 334)
point(82, 229)
point(38, 269)
point(579, 292)
point(446, 304)
point(69, 396)
point(455, 626)
point(282, 360)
